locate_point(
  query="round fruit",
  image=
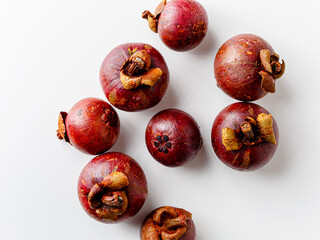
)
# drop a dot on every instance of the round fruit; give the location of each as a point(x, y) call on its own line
point(246, 67)
point(244, 136)
point(181, 24)
point(92, 126)
point(173, 137)
point(134, 76)
point(168, 223)
point(112, 187)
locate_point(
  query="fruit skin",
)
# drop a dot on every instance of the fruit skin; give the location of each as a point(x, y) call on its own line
point(237, 66)
point(92, 126)
point(180, 137)
point(232, 116)
point(190, 233)
point(103, 165)
point(182, 24)
point(137, 99)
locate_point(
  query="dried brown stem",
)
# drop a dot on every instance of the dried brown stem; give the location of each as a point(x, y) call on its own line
point(272, 70)
point(108, 197)
point(250, 132)
point(62, 132)
point(136, 71)
point(166, 223)
point(153, 18)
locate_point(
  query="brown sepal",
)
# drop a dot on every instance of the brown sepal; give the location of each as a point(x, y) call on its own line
point(267, 83)
point(62, 131)
point(153, 18)
point(167, 223)
point(249, 133)
point(265, 124)
point(271, 65)
point(282, 70)
point(108, 197)
point(149, 78)
point(265, 55)
point(230, 139)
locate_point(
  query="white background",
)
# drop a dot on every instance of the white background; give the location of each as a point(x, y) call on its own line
point(50, 55)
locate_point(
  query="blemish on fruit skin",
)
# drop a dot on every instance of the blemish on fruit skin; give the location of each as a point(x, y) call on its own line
point(148, 47)
point(235, 158)
point(246, 159)
point(113, 96)
point(115, 168)
point(250, 110)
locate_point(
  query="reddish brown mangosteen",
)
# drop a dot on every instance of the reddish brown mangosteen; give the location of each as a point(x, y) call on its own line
point(245, 136)
point(246, 67)
point(134, 76)
point(181, 24)
point(168, 223)
point(92, 126)
point(112, 187)
point(173, 137)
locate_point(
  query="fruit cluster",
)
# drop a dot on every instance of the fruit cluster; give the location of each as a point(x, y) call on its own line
point(112, 187)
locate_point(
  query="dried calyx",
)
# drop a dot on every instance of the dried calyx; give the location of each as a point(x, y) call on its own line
point(136, 71)
point(62, 132)
point(167, 223)
point(252, 131)
point(153, 18)
point(108, 197)
point(273, 70)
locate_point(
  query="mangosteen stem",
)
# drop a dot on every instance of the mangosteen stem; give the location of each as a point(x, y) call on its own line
point(246, 129)
point(62, 131)
point(173, 223)
point(153, 18)
point(108, 197)
point(175, 235)
point(114, 199)
point(136, 71)
point(167, 223)
point(273, 69)
point(253, 132)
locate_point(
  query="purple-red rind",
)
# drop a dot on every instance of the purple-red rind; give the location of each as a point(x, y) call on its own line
point(86, 129)
point(183, 132)
point(182, 24)
point(237, 66)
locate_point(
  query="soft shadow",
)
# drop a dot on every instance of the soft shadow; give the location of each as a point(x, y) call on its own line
point(170, 100)
point(207, 46)
point(136, 221)
point(279, 163)
point(123, 141)
point(201, 161)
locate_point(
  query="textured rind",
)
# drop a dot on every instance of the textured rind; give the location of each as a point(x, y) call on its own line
point(191, 229)
point(86, 128)
point(137, 99)
point(182, 24)
point(183, 132)
point(232, 116)
point(237, 66)
point(103, 165)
